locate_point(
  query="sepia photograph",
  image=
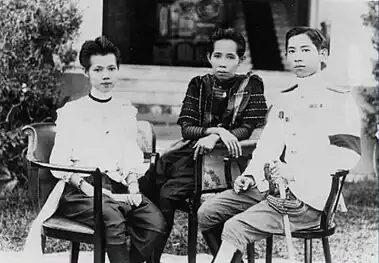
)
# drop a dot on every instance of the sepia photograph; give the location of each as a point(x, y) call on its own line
point(189, 131)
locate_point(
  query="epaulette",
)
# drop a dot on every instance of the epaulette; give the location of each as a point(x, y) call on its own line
point(290, 89)
point(338, 90)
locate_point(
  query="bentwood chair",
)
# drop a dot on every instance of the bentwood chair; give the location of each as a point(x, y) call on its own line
point(41, 138)
point(327, 225)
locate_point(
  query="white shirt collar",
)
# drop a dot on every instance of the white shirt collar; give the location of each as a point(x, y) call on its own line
point(312, 83)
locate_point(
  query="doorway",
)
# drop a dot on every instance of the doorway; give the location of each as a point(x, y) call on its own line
point(264, 48)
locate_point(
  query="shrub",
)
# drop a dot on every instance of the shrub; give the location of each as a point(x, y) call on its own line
point(34, 36)
point(372, 19)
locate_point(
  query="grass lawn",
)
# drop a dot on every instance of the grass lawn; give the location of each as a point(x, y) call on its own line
point(356, 239)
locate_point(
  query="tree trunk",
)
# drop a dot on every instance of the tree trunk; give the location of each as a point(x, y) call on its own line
point(366, 167)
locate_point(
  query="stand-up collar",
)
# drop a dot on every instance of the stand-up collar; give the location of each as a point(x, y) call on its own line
point(99, 96)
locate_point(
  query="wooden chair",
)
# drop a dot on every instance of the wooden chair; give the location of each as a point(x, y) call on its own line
point(41, 138)
point(327, 226)
point(214, 172)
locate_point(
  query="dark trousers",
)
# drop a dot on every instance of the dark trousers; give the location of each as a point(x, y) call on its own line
point(174, 183)
point(144, 224)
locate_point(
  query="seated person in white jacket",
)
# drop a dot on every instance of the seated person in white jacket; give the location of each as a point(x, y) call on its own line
point(295, 143)
point(99, 130)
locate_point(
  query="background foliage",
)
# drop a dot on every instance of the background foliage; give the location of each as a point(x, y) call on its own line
point(35, 51)
point(371, 119)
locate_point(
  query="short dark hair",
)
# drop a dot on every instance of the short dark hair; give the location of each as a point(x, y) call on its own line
point(232, 34)
point(100, 46)
point(315, 35)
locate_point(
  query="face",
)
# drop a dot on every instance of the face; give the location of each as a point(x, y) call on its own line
point(103, 72)
point(303, 57)
point(224, 59)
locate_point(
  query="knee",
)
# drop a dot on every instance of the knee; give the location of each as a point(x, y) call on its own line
point(155, 215)
point(165, 194)
point(166, 201)
point(205, 217)
point(115, 226)
point(234, 232)
point(233, 227)
point(160, 222)
point(202, 215)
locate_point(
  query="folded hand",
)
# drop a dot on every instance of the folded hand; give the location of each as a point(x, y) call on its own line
point(231, 142)
point(243, 183)
point(205, 145)
point(132, 199)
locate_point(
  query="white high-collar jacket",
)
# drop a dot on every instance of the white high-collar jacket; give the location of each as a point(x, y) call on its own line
point(94, 134)
point(305, 131)
point(98, 134)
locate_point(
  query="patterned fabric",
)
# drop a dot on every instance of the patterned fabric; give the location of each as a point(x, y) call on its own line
point(192, 132)
point(197, 107)
point(93, 134)
point(214, 172)
point(291, 206)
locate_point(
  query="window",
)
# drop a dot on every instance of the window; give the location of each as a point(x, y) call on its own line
point(184, 27)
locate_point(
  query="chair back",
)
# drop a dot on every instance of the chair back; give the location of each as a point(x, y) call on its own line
point(217, 171)
point(214, 174)
point(41, 138)
point(146, 137)
point(350, 142)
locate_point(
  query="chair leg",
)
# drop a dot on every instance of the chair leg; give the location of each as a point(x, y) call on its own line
point(269, 242)
point(308, 250)
point(99, 251)
point(251, 253)
point(212, 241)
point(74, 252)
point(237, 257)
point(43, 244)
point(326, 247)
point(192, 236)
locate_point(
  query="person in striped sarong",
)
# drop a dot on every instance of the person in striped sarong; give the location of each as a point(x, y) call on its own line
point(219, 107)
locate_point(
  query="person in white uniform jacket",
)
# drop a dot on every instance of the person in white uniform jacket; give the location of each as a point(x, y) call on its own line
point(295, 144)
point(99, 130)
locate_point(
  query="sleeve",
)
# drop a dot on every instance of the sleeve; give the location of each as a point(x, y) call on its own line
point(190, 111)
point(190, 132)
point(254, 115)
point(64, 152)
point(269, 148)
point(242, 133)
point(132, 183)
